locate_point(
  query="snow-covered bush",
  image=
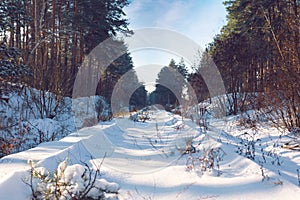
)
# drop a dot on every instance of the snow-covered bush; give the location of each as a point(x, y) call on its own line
point(29, 117)
point(70, 182)
point(103, 109)
point(247, 122)
point(43, 130)
point(88, 111)
point(204, 159)
point(140, 116)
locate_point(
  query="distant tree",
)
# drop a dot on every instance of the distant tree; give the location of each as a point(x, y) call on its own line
point(128, 92)
point(196, 80)
point(181, 68)
point(109, 78)
point(171, 83)
point(139, 98)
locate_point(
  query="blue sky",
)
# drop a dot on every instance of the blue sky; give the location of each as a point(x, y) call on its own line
point(199, 20)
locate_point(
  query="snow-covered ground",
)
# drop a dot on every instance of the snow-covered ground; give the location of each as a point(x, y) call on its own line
point(29, 117)
point(146, 160)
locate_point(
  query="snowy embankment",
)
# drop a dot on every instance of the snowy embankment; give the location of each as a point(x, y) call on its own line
point(29, 117)
point(146, 160)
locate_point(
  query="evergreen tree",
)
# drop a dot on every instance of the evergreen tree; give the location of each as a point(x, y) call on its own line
point(12, 68)
point(181, 68)
point(139, 98)
point(257, 52)
point(55, 36)
point(170, 85)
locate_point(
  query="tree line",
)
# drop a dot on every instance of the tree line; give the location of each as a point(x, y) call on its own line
point(44, 42)
point(258, 56)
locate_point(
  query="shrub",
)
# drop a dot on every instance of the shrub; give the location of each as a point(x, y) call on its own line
point(70, 182)
point(205, 159)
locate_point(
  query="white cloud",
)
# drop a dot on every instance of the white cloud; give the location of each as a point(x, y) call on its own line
point(135, 7)
point(173, 14)
point(200, 20)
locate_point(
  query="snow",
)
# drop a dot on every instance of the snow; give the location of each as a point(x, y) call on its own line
point(29, 116)
point(143, 160)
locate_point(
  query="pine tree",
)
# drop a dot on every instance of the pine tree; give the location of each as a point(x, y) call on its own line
point(171, 83)
point(257, 52)
point(55, 36)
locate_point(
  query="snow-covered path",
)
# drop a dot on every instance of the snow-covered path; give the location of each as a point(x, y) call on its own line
point(145, 159)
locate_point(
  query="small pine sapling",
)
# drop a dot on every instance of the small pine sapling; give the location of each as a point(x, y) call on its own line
point(69, 182)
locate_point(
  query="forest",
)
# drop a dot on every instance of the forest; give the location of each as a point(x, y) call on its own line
point(78, 122)
point(257, 54)
point(44, 43)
